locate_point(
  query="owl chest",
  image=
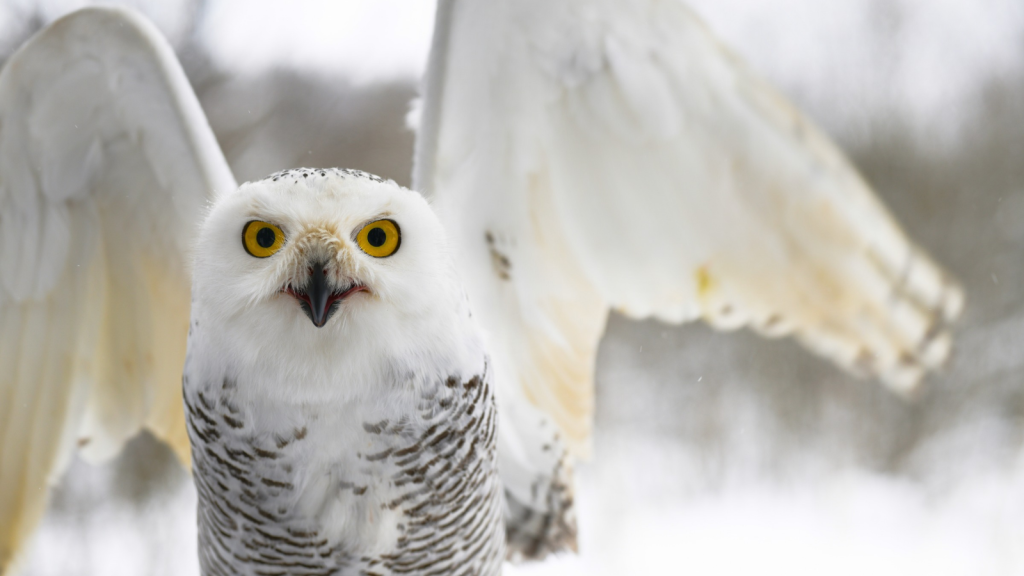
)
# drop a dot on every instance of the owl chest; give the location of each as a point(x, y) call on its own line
point(246, 481)
point(389, 492)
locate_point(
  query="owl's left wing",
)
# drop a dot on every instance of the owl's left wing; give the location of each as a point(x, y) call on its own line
point(589, 155)
point(106, 164)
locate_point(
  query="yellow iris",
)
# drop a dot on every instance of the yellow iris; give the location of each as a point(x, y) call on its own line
point(379, 239)
point(262, 239)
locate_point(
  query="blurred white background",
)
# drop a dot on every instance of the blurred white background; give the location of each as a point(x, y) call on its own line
point(715, 453)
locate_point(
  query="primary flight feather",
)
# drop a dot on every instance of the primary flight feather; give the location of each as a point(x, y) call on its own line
point(595, 155)
point(583, 156)
point(106, 164)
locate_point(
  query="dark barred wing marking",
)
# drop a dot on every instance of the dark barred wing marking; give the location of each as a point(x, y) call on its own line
point(533, 534)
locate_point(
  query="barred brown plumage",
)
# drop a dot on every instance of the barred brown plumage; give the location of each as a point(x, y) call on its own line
point(441, 458)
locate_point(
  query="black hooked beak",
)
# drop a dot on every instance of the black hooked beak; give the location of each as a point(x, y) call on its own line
point(317, 299)
point(318, 292)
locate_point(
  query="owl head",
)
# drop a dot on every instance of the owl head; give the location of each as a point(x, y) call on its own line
point(325, 264)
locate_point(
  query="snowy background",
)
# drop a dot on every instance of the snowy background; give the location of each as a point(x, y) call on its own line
point(715, 453)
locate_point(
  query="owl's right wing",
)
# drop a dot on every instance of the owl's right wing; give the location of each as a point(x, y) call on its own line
point(106, 165)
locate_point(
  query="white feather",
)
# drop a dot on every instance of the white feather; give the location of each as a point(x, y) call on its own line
point(590, 155)
point(106, 162)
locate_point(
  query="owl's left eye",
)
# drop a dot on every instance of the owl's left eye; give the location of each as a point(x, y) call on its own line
point(380, 239)
point(262, 239)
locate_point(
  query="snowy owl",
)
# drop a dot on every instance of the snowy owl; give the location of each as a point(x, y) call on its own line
point(580, 157)
point(337, 393)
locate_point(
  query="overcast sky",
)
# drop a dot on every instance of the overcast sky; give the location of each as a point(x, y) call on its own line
point(924, 60)
point(846, 60)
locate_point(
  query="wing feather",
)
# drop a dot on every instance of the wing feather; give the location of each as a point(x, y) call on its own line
point(589, 155)
point(106, 164)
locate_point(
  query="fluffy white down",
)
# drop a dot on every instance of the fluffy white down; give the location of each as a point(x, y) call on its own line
point(413, 313)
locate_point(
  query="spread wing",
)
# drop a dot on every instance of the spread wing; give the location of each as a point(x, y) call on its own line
point(589, 155)
point(106, 163)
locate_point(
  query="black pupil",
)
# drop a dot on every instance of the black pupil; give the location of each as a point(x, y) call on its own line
point(376, 237)
point(265, 237)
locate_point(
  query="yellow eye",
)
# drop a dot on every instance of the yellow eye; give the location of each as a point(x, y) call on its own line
point(380, 239)
point(262, 239)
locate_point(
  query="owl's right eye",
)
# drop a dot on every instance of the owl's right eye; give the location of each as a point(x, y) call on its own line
point(262, 239)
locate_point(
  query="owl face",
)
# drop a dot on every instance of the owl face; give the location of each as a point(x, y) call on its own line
point(324, 259)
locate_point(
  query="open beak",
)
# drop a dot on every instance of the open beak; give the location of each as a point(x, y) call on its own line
point(317, 299)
